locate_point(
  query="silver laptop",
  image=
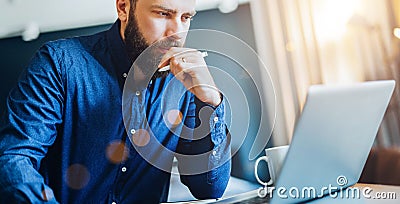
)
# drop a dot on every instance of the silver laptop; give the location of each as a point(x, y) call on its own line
point(332, 138)
point(331, 141)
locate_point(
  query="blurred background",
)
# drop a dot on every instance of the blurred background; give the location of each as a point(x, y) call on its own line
point(301, 42)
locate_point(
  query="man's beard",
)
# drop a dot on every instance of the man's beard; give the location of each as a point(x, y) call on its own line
point(136, 44)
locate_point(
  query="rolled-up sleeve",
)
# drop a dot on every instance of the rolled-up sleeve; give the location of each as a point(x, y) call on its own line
point(206, 153)
point(27, 128)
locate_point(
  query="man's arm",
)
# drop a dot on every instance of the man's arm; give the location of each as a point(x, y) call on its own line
point(204, 157)
point(27, 128)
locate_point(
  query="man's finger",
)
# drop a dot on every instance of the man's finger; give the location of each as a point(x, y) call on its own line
point(173, 52)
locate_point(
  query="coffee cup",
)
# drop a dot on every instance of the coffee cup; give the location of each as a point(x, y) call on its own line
point(274, 157)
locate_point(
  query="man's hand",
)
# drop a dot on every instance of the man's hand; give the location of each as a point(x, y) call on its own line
point(189, 67)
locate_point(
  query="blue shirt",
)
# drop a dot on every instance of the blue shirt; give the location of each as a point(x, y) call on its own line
point(63, 137)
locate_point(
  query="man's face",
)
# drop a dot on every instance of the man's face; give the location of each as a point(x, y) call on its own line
point(163, 22)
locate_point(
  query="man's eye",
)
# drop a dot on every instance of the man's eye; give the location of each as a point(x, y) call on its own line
point(187, 18)
point(161, 13)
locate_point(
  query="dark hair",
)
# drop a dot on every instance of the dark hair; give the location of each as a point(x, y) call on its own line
point(133, 4)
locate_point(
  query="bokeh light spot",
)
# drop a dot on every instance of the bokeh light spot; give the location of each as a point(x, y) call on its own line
point(77, 176)
point(174, 117)
point(141, 137)
point(116, 152)
point(47, 194)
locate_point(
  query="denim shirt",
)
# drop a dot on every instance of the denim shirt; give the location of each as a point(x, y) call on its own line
point(63, 137)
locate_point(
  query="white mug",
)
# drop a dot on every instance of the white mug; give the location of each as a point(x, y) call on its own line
point(274, 157)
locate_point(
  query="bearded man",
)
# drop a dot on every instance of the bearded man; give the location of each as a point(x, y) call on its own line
point(92, 120)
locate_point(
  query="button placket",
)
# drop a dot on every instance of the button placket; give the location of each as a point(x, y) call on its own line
point(138, 113)
point(215, 119)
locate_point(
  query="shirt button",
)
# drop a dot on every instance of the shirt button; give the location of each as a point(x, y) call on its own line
point(214, 153)
point(125, 75)
point(137, 93)
point(123, 169)
point(133, 131)
point(113, 203)
point(216, 119)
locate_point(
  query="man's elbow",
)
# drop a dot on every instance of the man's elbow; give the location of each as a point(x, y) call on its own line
point(217, 183)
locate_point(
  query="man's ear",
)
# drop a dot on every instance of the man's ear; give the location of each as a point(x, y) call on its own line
point(123, 10)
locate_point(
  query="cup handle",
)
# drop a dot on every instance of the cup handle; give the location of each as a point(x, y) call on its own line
point(266, 159)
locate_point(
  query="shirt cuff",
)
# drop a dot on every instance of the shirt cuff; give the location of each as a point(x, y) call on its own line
point(218, 129)
point(217, 124)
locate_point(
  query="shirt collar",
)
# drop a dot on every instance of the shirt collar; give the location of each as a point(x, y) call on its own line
point(118, 50)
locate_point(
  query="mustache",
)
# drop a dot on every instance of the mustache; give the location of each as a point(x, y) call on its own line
point(167, 43)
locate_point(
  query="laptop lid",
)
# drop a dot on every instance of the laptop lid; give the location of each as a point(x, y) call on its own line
point(332, 139)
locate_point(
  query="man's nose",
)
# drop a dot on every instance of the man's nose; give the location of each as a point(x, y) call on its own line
point(175, 29)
